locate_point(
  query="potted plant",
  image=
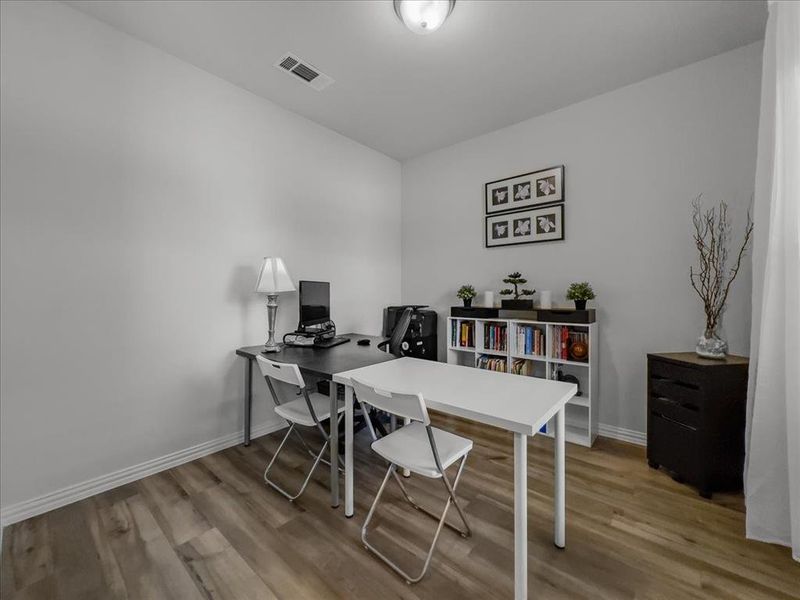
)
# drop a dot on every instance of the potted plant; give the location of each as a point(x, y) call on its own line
point(518, 302)
point(580, 292)
point(466, 293)
point(712, 279)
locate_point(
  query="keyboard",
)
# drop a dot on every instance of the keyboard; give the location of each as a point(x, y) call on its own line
point(331, 342)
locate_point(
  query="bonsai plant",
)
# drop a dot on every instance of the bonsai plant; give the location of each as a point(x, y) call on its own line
point(712, 279)
point(518, 302)
point(466, 292)
point(580, 292)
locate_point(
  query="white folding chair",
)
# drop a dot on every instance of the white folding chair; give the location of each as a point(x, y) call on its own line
point(308, 410)
point(420, 448)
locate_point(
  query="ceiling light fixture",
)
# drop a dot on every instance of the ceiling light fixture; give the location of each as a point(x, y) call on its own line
point(423, 16)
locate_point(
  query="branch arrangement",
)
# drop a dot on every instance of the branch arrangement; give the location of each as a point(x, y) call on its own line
point(712, 279)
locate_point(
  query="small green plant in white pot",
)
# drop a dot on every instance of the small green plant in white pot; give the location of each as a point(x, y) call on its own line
point(466, 293)
point(580, 292)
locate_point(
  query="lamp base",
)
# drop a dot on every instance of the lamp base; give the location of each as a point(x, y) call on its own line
point(272, 309)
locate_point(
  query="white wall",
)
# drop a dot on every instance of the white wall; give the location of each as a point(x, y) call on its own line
point(138, 197)
point(634, 159)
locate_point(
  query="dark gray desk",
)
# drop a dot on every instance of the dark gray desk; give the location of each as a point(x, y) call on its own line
point(316, 362)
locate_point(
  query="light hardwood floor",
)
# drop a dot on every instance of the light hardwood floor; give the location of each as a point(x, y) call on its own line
point(212, 529)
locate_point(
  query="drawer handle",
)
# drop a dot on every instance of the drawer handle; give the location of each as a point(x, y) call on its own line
point(658, 377)
point(686, 405)
point(667, 400)
point(666, 418)
point(691, 386)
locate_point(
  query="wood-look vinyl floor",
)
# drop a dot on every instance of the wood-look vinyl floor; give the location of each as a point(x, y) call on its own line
point(212, 529)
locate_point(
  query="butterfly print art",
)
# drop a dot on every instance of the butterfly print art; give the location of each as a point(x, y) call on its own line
point(522, 191)
point(522, 227)
point(500, 196)
point(546, 186)
point(546, 223)
point(500, 230)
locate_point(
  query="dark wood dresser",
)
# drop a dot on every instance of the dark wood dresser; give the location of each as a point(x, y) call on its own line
point(695, 419)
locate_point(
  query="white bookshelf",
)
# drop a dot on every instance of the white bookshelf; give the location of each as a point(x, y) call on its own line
point(581, 411)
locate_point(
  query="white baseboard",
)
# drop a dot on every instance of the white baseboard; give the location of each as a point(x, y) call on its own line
point(42, 504)
point(620, 433)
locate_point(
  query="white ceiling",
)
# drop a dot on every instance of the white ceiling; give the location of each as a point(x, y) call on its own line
point(493, 63)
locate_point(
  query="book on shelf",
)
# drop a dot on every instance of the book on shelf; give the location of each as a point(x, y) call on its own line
point(530, 340)
point(491, 363)
point(563, 337)
point(462, 334)
point(520, 366)
point(494, 336)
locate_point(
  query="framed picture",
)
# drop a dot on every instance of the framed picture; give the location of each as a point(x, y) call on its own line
point(523, 191)
point(545, 224)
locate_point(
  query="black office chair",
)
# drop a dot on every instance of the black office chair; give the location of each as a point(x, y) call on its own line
point(394, 345)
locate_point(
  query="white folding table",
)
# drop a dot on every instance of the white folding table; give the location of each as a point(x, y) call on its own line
point(518, 404)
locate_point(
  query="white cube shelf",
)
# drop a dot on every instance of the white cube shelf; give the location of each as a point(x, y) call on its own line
point(501, 350)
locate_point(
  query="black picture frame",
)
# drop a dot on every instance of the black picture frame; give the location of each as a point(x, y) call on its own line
point(500, 196)
point(512, 235)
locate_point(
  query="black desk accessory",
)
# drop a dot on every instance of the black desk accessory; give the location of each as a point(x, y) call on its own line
point(364, 342)
point(330, 342)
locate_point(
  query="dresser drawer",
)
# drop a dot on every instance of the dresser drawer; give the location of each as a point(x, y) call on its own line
point(684, 377)
point(689, 395)
point(683, 412)
point(673, 445)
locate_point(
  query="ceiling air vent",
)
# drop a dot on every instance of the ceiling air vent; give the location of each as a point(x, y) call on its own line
point(304, 71)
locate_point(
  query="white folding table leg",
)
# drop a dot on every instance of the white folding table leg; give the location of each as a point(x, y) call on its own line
point(334, 435)
point(559, 508)
point(520, 516)
point(406, 472)
point(348, 451)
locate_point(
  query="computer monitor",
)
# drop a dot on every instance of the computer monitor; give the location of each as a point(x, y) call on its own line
point(315, 303)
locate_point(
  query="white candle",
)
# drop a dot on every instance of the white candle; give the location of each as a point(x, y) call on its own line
point(488, 299)
point(545, 299)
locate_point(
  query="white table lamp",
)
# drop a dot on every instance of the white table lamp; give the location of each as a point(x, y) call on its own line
point(272, 280)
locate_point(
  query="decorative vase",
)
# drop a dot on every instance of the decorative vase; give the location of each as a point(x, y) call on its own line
point(711, 345)
point(467, 302)
point(580, 304)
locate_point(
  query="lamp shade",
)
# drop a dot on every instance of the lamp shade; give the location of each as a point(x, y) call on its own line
point(274, 278)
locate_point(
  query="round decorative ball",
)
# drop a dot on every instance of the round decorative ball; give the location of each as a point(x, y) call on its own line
point(579, 350)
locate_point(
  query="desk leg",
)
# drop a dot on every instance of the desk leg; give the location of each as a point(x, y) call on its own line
point(248, 399)
point(559, 508)
point(520, 516)
point(348, 451)
point(334, 434)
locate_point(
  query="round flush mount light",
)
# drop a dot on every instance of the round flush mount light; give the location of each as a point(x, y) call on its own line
point(423, 16)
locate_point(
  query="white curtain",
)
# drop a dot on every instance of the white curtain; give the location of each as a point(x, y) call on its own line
point(772, 466)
